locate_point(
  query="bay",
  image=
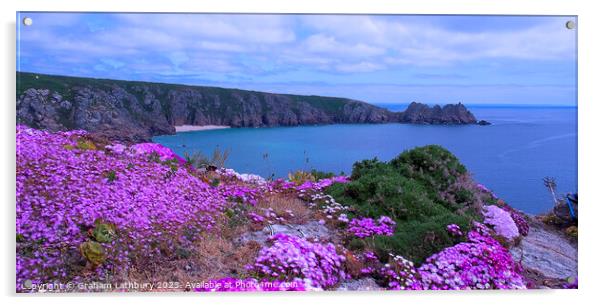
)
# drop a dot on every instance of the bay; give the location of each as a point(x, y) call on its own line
point(511, 156)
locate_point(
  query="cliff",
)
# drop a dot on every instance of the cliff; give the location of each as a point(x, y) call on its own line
point(136, 111)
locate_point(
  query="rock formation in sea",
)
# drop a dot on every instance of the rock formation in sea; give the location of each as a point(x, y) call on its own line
point(137, 111)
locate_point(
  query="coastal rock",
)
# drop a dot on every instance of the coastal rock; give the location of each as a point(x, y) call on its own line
point(136, 111)
point(417, 113)
point(312, 229)
point(365, 284)
point(547, 252)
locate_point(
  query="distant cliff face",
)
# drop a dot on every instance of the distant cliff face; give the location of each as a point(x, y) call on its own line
point(136, 111)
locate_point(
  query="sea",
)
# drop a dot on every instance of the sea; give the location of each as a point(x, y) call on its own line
point(511, 157)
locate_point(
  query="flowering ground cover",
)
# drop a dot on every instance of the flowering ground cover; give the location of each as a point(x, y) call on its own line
point(67, 187)
point(90, 210)
point(367, 227)
point(479, 263)
point(291, 258)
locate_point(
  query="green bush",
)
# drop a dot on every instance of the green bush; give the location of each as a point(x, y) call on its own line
point(421, 189)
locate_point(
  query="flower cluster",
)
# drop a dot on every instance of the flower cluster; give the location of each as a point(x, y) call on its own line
point(326, 203)
point(161, 151)
point(454, 229)
point(502, 222)
point(251, 284)
point(322, 183)
point(255, 218)
point(272, 217)
point(480, 263)
point(290, 257)
point(65, 190)
point(366, 227)
point(400, 274)
point(240, 193)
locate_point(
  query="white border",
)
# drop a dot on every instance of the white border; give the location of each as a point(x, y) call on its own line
point(589, 142)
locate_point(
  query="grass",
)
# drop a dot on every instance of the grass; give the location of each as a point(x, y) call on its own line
point(281, 204)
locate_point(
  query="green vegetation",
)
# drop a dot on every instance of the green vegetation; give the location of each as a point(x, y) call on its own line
point(323, 175)
point(423, 190)
point(328, 104)
point(199, 160)
point(300, 177)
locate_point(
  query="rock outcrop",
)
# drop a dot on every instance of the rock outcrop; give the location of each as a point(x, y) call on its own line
point(547, 255)
point(137, 111)
point(418, 113)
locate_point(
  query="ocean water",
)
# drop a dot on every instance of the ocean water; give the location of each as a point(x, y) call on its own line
point(511, 157)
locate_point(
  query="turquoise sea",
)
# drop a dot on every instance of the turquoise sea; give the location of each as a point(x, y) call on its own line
point(511, 157)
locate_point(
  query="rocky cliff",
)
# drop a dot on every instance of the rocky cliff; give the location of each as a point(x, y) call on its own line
point(136, 111)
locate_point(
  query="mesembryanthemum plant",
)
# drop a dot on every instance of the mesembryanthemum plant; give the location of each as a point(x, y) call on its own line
point(480, 263)
point(290, 258)
point(366, 227)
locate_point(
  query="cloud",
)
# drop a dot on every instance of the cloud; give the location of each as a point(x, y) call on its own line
point(221, 46)
point(330, 42)
point(332, 48)
point(323, 44)
point(421, 44)
point(359, 67)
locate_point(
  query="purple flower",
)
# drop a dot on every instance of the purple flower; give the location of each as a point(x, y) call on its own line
point(480, 263)
point(366, 227)
point(290, 257)
point(454, 229)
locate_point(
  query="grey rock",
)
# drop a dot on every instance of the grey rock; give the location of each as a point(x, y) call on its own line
point(311, 229)
point(548, 252)
point(364, 284)
point(449, 114)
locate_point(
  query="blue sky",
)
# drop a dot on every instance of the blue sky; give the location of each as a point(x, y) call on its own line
point(377, 59)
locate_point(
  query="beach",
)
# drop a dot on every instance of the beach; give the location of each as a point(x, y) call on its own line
point(186, 128)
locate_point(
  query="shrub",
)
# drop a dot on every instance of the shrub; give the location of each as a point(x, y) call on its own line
point(432, 164)
point(321, 175)
point(572, 231)
point(408, 189)
point(199, 160)
point(301, 177)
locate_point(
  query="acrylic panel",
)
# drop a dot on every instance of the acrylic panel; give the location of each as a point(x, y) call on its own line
point(197, 152)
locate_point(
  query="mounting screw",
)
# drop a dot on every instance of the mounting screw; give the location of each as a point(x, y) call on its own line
point(570, 24)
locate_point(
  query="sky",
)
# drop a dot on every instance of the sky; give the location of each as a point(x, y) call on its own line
point(514, 60)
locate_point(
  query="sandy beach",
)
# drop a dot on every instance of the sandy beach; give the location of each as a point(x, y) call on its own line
point(185, 128)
